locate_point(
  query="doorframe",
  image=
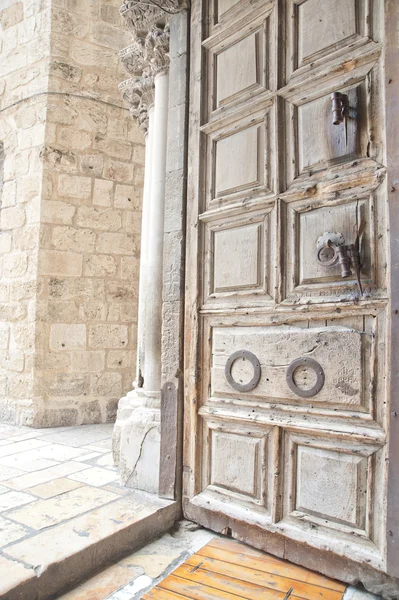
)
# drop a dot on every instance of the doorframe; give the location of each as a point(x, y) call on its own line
point(392, 163)
point(300, 553)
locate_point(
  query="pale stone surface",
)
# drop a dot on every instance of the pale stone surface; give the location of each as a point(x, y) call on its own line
point(30, 480)
point(44, 513)
point(56, 487)
point(14, 499)
point(95, 476)
point(13, 573)
point(63, 507)
point(11, 532)
point(63, 231)
point(67, 336)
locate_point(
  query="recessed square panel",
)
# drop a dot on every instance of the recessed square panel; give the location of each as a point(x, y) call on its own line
point(239, 258)
point(328, 482)
point(237, 160)
point(324, 25)
point(309, 275)
point(237, 261)
point(319, 140)
point(235, 463)
point(239, 462)
point(315, 143)
point(331, 485)
point(319, 30)
point(237, 68)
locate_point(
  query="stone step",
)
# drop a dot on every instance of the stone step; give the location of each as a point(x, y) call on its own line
point(60, 557)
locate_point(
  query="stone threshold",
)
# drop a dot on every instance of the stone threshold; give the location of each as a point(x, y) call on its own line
point(60, 557)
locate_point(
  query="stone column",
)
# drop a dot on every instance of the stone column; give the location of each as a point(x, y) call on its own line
point(145, 230)
point(136, 440)
point(153, 314)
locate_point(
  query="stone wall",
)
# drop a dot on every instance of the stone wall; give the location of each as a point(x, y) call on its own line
point(24, 59)
point(71, 241)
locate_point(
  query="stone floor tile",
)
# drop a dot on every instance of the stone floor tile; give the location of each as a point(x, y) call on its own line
point(87, 529)
point(88, 456)
point(95, 476)
point(106, 460)
point(4, 489)
point(107, 444)
point(59, 452)
point(13, 499)
point(10, 532)
point(26, 461)
point(29, 480)
point(28, 435)
point(103, 584)
point(9, 432)
point(81, 436)
point(44, 513)
point(7, 472)
point(13, 448)
point(54, 488)
point(12, 573)
point(94, 448)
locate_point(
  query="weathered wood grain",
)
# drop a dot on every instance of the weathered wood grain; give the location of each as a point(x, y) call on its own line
point(269, 174)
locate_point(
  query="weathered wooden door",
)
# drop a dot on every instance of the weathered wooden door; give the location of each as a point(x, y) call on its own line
point(286, 416)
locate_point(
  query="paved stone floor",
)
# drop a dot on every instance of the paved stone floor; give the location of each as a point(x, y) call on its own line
point(60, 495)
point(50, 475)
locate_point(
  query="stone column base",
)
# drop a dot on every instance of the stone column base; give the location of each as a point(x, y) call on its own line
point(137, 438)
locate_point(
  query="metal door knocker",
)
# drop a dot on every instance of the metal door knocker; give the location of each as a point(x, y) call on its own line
point(332, 251)
point(340, 111)
point(245, 355)
point(312, 364)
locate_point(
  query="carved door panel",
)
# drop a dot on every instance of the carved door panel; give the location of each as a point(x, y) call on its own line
point(286, 402)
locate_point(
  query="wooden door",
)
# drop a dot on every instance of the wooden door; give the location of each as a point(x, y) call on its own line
point(286, 416)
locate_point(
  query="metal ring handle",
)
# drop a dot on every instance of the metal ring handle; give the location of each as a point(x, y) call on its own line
point(332, 261)
point(317, 368)
point(243, 387)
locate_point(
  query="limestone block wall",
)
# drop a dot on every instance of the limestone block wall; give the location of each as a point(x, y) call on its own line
point(24, 59)
point(83, 306)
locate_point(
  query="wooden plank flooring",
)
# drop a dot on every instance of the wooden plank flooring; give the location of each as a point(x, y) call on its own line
point(227, 570)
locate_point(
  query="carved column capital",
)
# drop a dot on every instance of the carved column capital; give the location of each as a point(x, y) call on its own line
point(142, 14)
point(157, 49)
point(148, 53)
point(138, 93)
point(133, 57)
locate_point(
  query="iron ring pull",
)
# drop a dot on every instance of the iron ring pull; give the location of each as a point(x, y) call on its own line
point(243, 387)
point(305, 362)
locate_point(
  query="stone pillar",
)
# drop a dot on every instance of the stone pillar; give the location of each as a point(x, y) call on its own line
point(153, 312)
point(145, 230)
point(136, 440)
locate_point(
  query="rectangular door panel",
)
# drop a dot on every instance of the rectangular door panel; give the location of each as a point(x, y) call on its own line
point(340, 352)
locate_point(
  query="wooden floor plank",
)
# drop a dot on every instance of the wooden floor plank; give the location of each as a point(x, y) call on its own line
point(196, 591)
point(261, 578)
point(237, 553)
point(160, 594)
point(230, 584)
point(228, 570)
